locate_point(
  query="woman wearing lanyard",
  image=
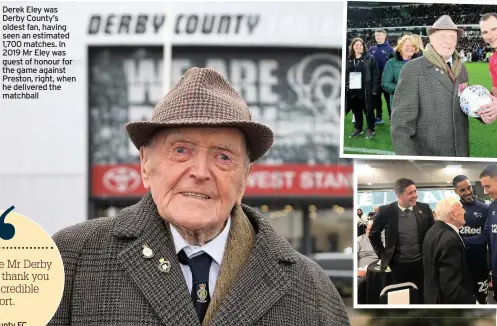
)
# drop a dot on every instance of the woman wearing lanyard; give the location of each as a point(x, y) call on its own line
point(362, 83)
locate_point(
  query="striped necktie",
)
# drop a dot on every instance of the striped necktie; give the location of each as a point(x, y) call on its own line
point(449, 71)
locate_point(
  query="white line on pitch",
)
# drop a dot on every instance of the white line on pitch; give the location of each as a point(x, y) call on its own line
point(368, 150)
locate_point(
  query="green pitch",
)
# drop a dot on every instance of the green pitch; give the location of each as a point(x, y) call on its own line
point(483, 138)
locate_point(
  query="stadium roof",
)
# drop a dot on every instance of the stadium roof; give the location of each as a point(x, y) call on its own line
point(372, 4)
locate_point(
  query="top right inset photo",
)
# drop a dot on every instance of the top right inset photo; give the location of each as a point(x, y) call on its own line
point(420, 80)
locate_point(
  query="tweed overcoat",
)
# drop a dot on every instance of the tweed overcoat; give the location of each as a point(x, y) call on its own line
point(426, 116)
point(109, 282)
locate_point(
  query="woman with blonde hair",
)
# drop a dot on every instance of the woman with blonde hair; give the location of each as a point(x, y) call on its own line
point(407, 49)
point(363, 82)
point(419, 43)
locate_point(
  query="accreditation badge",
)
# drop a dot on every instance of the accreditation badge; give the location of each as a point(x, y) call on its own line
point(355, 80)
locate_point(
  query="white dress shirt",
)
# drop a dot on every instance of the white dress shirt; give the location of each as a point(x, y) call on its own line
point(450, 61)
point(214, 248)
point(404, 208)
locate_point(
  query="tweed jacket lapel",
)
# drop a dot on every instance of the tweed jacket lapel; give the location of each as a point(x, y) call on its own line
point(167, 293)
point(262, 282)
point(439, 75)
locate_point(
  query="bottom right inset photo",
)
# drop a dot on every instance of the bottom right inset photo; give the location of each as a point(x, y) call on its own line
point(426, 234)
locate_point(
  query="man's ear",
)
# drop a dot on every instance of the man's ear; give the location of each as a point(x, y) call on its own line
point(144, 164)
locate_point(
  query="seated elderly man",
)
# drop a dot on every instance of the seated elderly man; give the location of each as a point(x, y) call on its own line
point(365, 252)
point(365, 256)
point(447, 277)
point(189, 253)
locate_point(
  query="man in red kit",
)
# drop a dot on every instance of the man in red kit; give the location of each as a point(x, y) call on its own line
point(488, 28)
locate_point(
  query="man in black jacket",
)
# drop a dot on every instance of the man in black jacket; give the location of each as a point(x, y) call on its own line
point(447, 276)
point(405, 223)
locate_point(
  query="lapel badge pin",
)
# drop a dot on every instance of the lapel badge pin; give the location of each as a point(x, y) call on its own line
point(164, 265)
point(436, 69)
point(147, 252)
point(202, 293)
point(420, 212)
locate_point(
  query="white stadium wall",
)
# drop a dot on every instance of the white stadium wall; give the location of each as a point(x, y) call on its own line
point(44, 142)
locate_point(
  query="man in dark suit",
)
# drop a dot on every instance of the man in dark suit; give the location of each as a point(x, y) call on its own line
point(405, 222)
point(448, 279)
point(189, 253)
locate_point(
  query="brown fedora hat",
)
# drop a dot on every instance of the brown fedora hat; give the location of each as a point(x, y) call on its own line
point(203, 97)
point(444, 23)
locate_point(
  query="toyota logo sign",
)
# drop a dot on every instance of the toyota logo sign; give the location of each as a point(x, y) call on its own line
point(122, 179)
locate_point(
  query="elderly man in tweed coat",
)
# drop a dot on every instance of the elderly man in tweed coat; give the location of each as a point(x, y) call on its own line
point(426, 115)
point(189, 253)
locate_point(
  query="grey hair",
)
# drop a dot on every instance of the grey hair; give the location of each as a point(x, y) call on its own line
point(444, 208)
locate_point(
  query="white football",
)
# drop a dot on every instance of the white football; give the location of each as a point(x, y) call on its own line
point(472, 97)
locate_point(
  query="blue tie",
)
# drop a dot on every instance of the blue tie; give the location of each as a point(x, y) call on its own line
point(199, 266)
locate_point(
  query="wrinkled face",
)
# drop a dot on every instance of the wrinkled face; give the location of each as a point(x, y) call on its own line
point(457, 214)
point(408, 49)
point(196, 175)
point(488, 30)
point(380, 37)
point(489, 184)
point(465, 191)
point(408, 197)
point(444, 42)
point(358, 47)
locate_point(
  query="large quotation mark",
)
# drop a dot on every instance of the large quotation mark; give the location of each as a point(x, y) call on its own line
point(7, 230)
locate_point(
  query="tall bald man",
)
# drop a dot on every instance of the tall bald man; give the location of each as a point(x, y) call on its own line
point(475, 217)
point(488, 28)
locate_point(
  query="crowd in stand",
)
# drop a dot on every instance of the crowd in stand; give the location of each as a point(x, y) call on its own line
point(419, 15)
point(414, 15)
point(469, 44)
